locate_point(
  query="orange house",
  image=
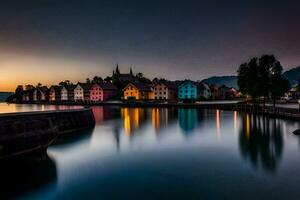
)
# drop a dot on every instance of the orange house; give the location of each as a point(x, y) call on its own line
point(137, 91)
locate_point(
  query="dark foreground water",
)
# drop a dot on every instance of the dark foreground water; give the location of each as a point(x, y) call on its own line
point(136, 153)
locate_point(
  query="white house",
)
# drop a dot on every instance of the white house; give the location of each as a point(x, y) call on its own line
point(82, 92)
point(64, 93)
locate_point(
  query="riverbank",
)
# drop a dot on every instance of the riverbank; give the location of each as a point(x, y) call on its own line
point(288, 111)
point(28, 132)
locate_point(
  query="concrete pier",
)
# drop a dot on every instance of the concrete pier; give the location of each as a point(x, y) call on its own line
point(34, 131)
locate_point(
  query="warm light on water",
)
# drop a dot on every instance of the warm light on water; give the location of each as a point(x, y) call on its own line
point(155, 153)
point(13, 108)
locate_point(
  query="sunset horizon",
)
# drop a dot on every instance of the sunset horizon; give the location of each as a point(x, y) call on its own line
point(150, 99)
point(51, 41)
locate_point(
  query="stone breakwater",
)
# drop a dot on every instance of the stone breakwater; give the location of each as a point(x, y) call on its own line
point(28, 132)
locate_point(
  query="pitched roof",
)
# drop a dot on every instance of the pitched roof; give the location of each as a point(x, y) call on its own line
point(169, 84)
point(203, 86)
point(85, 86)
point(42, 88)
point(107, 86)
point(56, 88)
point(126, 77)
point(189, 81)
point(141, 86)
point(70, 87)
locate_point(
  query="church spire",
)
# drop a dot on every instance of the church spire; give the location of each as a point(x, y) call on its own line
point(117, 70)
point(131, 73)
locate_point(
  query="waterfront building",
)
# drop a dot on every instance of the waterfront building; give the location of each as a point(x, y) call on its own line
point(70, 89)
point(137, 91)
point(215, 92)
point(234, 93)
point(67, 92)
point(28, 95)
point(228, 93)
point(55, 93)
point(102, 91)
point(64, 93)
point(188, 90)
point(82, 92)
point(205, 92)
point(118, 76)
point(165, 90)
point(40, 93)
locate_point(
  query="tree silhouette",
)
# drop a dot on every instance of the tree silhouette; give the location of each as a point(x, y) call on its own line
point(262, 78)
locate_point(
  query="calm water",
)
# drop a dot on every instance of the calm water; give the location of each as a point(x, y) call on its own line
point(136, 153)
point(11, 108)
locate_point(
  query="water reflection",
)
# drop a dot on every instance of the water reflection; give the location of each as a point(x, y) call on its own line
point(102, 114)
point(188, 120)
point(261, 141)
point(162, 117)
point(11, 108)
point(26, 174)
point(201, 164)
point(133, 119)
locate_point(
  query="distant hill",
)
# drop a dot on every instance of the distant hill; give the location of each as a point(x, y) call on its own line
point(4, 95)
point(230, 81)
point(293, 75)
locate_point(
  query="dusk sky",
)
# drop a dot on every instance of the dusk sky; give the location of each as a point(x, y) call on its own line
point(49, 41)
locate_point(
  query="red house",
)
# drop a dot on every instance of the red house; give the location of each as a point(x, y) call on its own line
point(102, 91)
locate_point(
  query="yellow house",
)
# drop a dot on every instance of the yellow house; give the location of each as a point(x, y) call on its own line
point(137, 91)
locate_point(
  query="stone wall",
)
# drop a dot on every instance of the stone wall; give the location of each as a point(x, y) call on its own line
point(34, 131)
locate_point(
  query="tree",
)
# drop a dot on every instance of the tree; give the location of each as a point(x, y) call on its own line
point(39, 85)
point(97, 79)
point(248, 79)
point(139, 75)
point(19, 92)
point(278, 86)
point(65, 83)
point(262, 78)
point(88, 80)
point(108, 79)
point(29, 87)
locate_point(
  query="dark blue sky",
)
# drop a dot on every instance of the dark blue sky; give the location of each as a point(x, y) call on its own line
point(172, 39)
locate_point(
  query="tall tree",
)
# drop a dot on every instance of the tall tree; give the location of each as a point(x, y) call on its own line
point(278, 83)
point(65, 83)
point(19, 93)
point(262, 77)
point(97, 79)
point(248, 79)
point(29, 87)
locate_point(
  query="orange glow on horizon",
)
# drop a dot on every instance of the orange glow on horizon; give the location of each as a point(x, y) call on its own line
point(29, 69)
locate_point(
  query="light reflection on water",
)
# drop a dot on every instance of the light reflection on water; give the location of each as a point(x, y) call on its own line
point(154, 153)
point(13, 108)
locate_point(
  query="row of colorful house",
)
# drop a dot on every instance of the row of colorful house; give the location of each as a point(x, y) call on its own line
point(164, 90)
point(182, 91)
point(78, 92)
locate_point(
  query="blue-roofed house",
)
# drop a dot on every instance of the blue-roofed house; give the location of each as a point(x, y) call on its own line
point(188, 90)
